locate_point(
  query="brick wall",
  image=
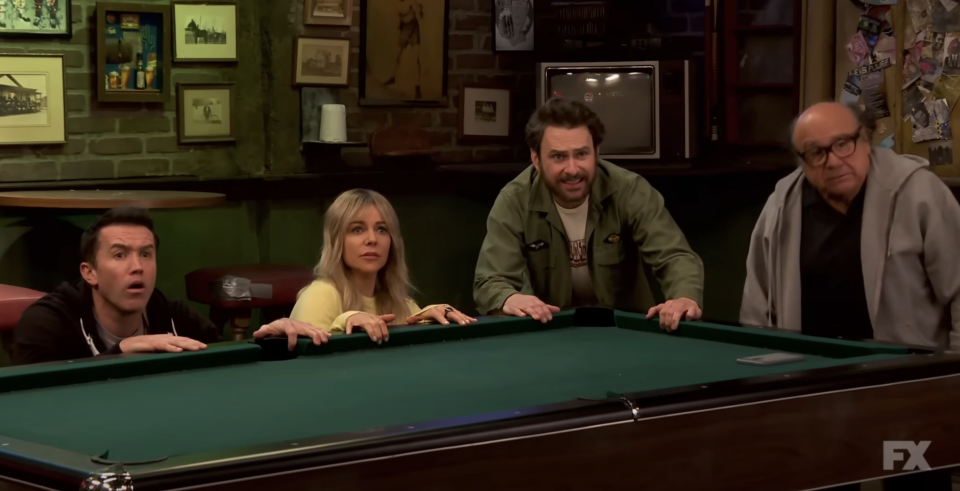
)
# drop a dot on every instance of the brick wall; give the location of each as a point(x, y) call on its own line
point(114, 140)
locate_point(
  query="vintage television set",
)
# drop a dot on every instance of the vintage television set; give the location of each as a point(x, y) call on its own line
point(649, 108)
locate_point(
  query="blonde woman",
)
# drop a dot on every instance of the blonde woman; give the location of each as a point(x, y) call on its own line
point(362, 281)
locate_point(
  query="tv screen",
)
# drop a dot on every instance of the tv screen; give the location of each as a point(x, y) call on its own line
point(624, 99)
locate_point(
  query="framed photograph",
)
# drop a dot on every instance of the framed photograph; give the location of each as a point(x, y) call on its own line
point(403, 52)
point(328, 12)
point(321, 61)
point(485, 113)
point(39, 19)
point(513, 22)
point(205, 31)
point(133, 52)
point(32, 99)
point(206, 113)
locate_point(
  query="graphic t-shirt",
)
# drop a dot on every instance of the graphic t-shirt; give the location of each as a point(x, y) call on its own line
point(575, 223)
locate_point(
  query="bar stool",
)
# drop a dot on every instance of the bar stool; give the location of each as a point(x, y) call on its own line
point(13, 301)
point(232, 292)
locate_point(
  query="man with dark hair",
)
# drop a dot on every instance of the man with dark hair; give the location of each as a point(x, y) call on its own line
point(574, 230)
point(115, 308)
point(858, 242)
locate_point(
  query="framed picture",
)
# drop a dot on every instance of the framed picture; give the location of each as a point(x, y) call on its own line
point(513, 22)
point(328, 12)
point(39, 19)
point(133, 52)
point(321, 61)
point(32, 99)
point(206, 113)
point(485, 113)
point(204, 31)
point(403, 52)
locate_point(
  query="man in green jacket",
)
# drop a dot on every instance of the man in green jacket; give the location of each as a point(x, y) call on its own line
point(575, 230)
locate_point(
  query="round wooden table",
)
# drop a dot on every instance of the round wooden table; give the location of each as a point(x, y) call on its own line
point(110, 199)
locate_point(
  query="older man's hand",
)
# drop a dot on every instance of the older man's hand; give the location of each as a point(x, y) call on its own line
point(292, 329)
point(672, 312)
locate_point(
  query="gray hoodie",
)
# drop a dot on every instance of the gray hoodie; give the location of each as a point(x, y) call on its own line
point(909, 251)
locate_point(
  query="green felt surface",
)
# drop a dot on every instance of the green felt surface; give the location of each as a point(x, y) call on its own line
point(214, 409)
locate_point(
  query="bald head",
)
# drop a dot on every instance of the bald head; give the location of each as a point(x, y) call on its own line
point(833, 140)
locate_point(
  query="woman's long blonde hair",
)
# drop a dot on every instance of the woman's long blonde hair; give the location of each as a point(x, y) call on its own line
point(393, 281)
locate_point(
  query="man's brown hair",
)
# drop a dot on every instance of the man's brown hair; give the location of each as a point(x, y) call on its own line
point(564, 113)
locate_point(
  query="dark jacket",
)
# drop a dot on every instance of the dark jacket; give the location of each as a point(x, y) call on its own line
point(61, 325)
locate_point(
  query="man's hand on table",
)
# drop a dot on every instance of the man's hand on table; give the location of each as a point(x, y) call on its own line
point(523, 305)
point(292, 329)
point(152, 343)
point(672, 312)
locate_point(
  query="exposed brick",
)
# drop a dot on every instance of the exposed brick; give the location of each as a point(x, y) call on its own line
point(349, 98)
point(354, 61)
point(353, 36)
point(86, 169)
point(13, 50)
point(79, 126)
point(368, 119)
point(356, 136)
point(516, 61)
point(184, 167)
point(185, 77)
point(488, 43)
point(688, 6)
point(76, 14)
point(504, 80)
point(455, 80)
point(463, 4)
point(143, 167)
point(74, 146)
point(164, 144)
point(498, 155)
point(420, 119)
point(80, 81)
point(114, 109)
point(72, 58)
point(144, 125)
point(43, 170)
point(460, 41)
point(449, 120)
point(84, 36)
point(116, 146)
point(458, 156)
point(441, 138)
point(474, 22)
point(76, 103)
point(470, 60)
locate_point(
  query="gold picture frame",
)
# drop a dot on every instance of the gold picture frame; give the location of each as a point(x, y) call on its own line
point(328, 12)
point(321, 61)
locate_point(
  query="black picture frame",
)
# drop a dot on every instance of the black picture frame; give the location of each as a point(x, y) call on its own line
point(365, 99)
point(65, 6)
point(495, 25)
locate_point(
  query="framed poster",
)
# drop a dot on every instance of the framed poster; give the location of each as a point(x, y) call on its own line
point(485, 113)
point(321, 61)
point(403, 52)
point(38, 19)
point(512, 25)
point(328, 12)
point(133, 52)
point(32, 99)
point(206, 113)
point(204, 31)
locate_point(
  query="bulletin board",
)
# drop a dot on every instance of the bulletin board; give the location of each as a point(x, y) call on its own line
point(895, 60)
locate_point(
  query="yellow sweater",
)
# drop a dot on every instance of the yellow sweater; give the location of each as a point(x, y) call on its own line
point(320, 305)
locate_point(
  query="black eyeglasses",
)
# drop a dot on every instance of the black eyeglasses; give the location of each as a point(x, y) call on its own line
point(841, 147)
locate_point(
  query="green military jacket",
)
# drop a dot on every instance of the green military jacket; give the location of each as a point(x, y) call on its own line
point(526, 248)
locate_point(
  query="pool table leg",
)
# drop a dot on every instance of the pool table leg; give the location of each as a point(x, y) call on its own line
point(239, 322)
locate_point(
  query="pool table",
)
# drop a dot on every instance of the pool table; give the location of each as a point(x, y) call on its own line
point(595, 399)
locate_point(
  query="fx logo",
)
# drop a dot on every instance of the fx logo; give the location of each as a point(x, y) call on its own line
point(892, 453)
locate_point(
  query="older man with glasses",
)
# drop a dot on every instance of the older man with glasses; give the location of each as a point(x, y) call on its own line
point(858, 242)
